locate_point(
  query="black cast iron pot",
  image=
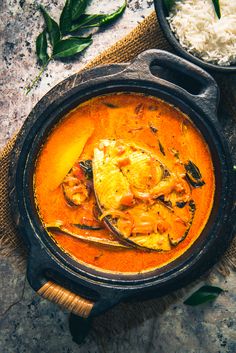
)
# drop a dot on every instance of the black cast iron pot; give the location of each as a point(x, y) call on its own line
point(155, 73)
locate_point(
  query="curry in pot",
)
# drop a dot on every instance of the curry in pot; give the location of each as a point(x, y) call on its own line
point(124, 183)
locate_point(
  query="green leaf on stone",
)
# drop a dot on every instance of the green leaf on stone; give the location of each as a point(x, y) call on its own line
point(193, 175)
point(88, 21)
point(79, 328)
point(71, 46)
point(203, 295)
point(78, 8)
point(72, 10)
point(52, 27)
point(41, 48)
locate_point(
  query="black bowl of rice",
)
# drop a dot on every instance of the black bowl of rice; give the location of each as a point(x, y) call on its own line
point(198, 33)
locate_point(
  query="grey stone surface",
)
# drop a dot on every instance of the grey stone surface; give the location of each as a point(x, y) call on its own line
point(29, 324)
point(34, 325)
point(20, 23)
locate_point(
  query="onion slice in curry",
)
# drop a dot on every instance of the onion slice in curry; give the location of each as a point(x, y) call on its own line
point(61, 228)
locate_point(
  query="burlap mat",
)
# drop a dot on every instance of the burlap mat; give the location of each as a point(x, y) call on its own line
point(147, 35)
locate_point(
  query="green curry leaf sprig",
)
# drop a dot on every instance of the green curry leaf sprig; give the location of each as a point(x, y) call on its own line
point(59, 39)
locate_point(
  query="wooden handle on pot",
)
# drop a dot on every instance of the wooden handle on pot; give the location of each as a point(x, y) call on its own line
point(66, 299)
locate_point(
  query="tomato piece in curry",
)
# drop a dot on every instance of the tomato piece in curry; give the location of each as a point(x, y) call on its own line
point(136, 127)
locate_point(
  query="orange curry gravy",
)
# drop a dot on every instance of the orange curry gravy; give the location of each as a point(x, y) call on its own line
point(145, 120)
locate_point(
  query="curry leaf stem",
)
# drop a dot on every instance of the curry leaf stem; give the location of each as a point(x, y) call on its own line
point(29, 87)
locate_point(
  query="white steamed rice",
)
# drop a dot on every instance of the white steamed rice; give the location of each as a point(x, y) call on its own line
point(199, 30)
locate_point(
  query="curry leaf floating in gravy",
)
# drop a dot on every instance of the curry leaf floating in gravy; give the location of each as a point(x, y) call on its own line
point(161, 148)
point(85, 226)
point(86, 166)
point(193, 175)
point(153, 129)
point(110, 105)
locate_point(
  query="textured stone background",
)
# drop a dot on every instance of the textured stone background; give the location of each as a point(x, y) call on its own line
point(29, 324)
point(20, 23)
